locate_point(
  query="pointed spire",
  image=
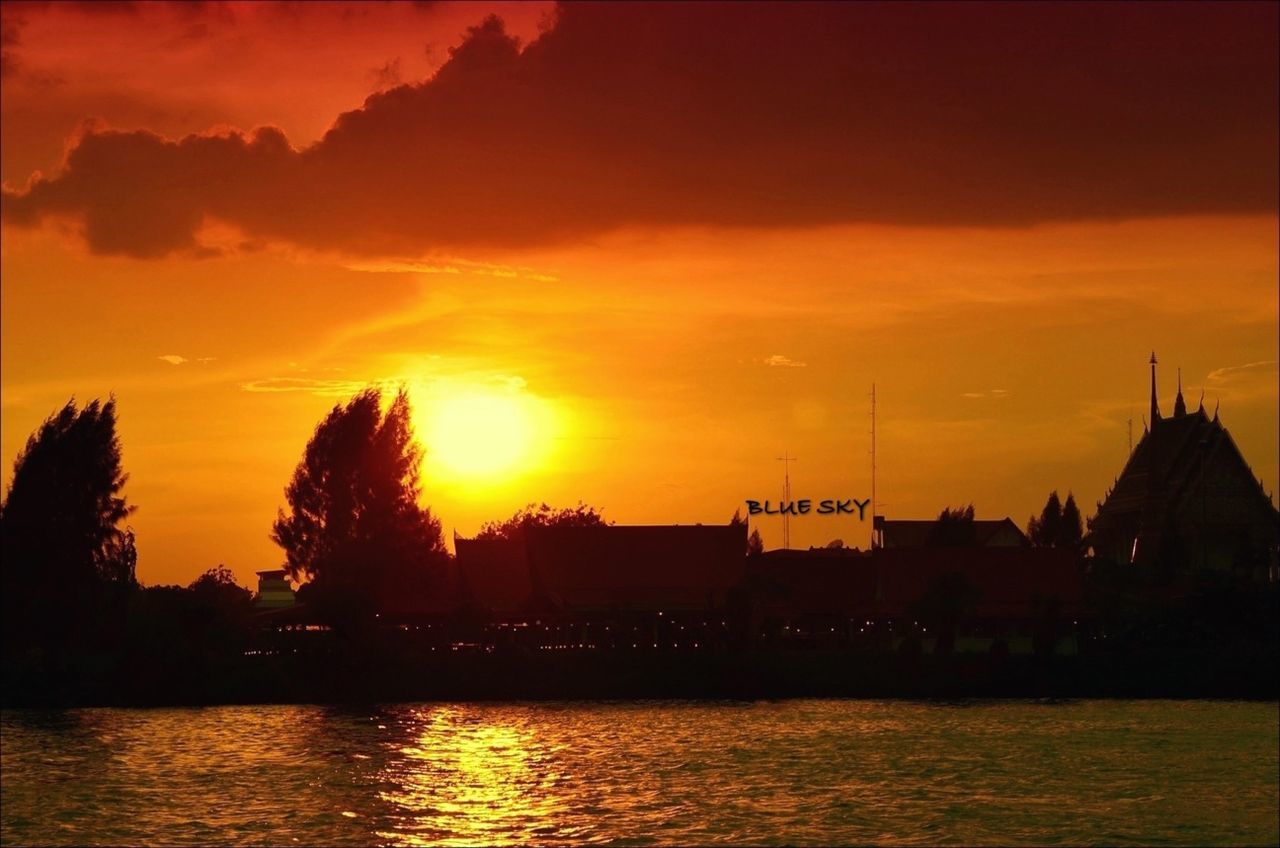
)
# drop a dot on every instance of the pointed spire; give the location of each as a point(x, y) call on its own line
point(1215, 410)
point(1155, 405)
point(1179, 405)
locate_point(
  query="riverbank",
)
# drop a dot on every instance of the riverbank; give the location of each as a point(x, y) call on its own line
point(338, 676)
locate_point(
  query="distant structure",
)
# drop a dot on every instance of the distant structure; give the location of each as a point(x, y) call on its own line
point(913, 533)
point(1187, 499)
point(274, 591)
point(604, 570)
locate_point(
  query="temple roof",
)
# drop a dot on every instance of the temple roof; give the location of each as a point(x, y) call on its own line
point(1167, 465)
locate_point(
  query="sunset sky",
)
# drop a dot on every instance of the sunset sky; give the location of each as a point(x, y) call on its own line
point(631, 254)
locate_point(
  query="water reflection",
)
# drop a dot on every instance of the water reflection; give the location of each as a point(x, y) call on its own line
point(466, 779)
point(798, 772)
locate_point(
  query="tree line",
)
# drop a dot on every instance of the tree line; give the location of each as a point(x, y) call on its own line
point(353, 532)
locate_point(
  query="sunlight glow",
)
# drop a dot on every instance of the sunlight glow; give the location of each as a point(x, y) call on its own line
point(484, 434)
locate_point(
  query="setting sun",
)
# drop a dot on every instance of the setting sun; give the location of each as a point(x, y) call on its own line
point(482, 434)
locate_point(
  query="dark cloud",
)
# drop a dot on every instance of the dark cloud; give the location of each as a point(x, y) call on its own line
point(10, 37)
point(387, 76)
point(756, 114)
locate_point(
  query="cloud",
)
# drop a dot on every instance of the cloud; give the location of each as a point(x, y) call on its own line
point(175, 359)
point(1235, 372)
point(996, 394)
point(773, 115)
point(325, 388)
point(780, 361)
point(387, 76)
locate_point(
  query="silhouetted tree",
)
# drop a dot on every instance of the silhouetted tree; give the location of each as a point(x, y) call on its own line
point(63, 551)
point(355, 528)
point(541, 515)
point(1071, 527)
point(1043, 532)
point(755, 545)
point(1058, 526)
point(953, 529)
point(220, 580)
point(186, 643)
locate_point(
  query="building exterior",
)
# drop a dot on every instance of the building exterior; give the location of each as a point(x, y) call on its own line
point(274, 591)
point(1186, 499)
point(603, 569)
point(604, 587)
point(913, 533)
point(494, 578)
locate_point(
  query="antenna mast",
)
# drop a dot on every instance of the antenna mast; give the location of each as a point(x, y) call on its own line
point(873, 464)
point(786, 459)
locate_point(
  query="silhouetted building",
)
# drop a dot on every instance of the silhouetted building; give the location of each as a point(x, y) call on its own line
point(911, 533)
point(1012, 594)
point(883, 597)
point(604, 569)
point(655, 568)
point(1009, 584)
point(494, 577)
point(813, 596)
point(1187, 499)
point(274, 591)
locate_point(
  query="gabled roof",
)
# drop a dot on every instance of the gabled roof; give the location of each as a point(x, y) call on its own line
point(914, 533)
point(1166, 469)
point(637, 567)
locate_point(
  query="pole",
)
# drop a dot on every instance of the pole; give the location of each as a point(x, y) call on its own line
point(873, 464)
point(786, 459)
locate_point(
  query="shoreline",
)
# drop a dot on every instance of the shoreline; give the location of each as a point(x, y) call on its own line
point(336, 678)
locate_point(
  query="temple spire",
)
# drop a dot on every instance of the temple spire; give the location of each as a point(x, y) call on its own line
point(1179, 405)
point(1155, 405)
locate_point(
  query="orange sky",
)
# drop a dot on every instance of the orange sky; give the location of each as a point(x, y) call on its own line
point(681, 240)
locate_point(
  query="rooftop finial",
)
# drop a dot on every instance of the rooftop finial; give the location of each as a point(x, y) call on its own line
point(1215, 410)
point(1155, 405)
point(1179, 405)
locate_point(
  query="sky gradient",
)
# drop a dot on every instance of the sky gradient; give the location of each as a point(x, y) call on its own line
point(671, 241)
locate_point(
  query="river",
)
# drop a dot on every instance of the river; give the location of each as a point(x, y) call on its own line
point(646, 772)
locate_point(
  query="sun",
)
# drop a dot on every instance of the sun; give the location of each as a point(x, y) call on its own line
point(483, 434)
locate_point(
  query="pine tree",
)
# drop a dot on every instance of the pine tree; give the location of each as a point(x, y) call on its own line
point(1045, 531)
point(1070, 527)
point(63, 549)
point(355, 528)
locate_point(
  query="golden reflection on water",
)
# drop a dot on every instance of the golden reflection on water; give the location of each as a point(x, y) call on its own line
point(796, 772)
point(467, 780)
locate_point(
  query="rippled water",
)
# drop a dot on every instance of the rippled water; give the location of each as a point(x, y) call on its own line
point(817, 772)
